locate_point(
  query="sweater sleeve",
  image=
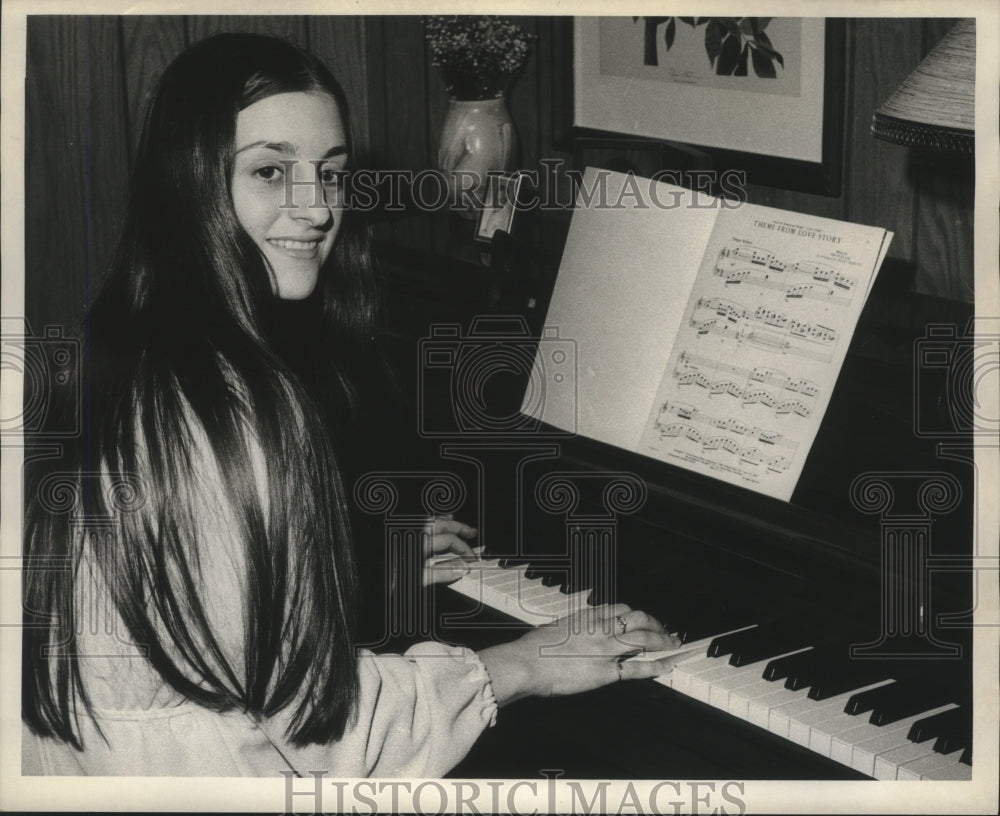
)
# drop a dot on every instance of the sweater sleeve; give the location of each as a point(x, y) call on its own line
point(418, 715)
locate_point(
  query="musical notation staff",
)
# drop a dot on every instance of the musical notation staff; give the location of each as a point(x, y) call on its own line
point(772, 341)
point(747, 384)
point(747, 454)
point(735, 313)
point(760, 268)
point(736, 426)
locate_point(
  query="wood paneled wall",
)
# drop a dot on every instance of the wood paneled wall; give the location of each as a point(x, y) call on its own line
point(89, 78)
point(88, 83)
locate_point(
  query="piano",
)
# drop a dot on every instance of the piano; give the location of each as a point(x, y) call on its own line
point(827, 637)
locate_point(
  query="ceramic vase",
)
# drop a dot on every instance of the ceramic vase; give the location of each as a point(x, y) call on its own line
point(477, 138)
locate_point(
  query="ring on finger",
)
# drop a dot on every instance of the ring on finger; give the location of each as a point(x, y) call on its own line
point(620, 620)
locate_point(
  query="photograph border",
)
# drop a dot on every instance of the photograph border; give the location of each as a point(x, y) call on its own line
point(268, 795)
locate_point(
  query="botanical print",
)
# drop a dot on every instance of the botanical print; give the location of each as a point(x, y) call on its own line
point(756, 54)
point(732, 43)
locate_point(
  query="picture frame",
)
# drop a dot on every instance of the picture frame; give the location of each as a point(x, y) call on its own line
point(788, 135)
point(500, 205)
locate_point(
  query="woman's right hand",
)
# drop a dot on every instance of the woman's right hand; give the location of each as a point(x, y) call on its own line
point(581, 652)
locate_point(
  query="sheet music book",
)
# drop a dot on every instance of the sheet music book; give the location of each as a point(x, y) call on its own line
point(708, 334)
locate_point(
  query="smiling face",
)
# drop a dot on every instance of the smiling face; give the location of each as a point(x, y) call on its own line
point(290, 150)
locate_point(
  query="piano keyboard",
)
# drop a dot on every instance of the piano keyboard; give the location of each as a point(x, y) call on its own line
point(931, 741)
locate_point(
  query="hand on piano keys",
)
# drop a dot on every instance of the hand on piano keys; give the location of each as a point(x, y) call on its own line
point(889, 720)
point(584, 650)
point(447, 551)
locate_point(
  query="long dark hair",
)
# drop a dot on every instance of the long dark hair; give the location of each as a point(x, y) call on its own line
point(179, 349)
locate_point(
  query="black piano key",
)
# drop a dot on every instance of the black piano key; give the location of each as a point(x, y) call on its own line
point(912, 696)
point(824, 659)
point(782, 667)
point(865, 672)
point(867, 700)
point(816, 663)
point(932, 727)
point(510, 561)
point(551, 576)
point(676, 606)
point(577, 583)
point(729, 644)
point(955, 733)
point(767, 641)
point(847, 676)
point(699, 611)
point(967, 755)
point(947, 743)
point(723, 617)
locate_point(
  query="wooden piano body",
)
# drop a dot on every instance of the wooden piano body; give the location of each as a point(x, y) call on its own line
point(872, 553)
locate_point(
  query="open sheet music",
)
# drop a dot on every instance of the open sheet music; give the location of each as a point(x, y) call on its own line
point(708, 335)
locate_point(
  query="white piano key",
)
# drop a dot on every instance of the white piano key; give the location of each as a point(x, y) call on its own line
point(864, 753)
point(544, 604)
point(501, 580)
point(843, 743)
point(704, 681)
point(781, 716)
point(696, 648)
point(533, 589)
point(693, 651)
point(760, 707)
point(665, 679)
point(925, 766)
point(955, 771)
point(821, 734)
point(492, 587)
point(681, 680)
point(686, 674)
point(477, 550)
point(800, 724)
point(580, 600)
point(742, 676)
point(739, 699)
point(516, 610)
point(576, 601)
point(802, 730)
point(557, 607)
point(471, 586)
point(887, 764)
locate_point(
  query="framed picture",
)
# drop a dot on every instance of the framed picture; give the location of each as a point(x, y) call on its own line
point(500, 205)
point(762, 94)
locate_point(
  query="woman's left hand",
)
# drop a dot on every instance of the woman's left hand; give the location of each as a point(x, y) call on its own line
point(447, 552)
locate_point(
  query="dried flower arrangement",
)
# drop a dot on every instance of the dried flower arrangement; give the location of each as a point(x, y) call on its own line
point(478, 56)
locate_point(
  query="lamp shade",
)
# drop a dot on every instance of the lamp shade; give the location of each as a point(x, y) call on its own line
point(935, 107)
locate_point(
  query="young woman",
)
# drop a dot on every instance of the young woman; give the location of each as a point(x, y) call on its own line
point(195, 614)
